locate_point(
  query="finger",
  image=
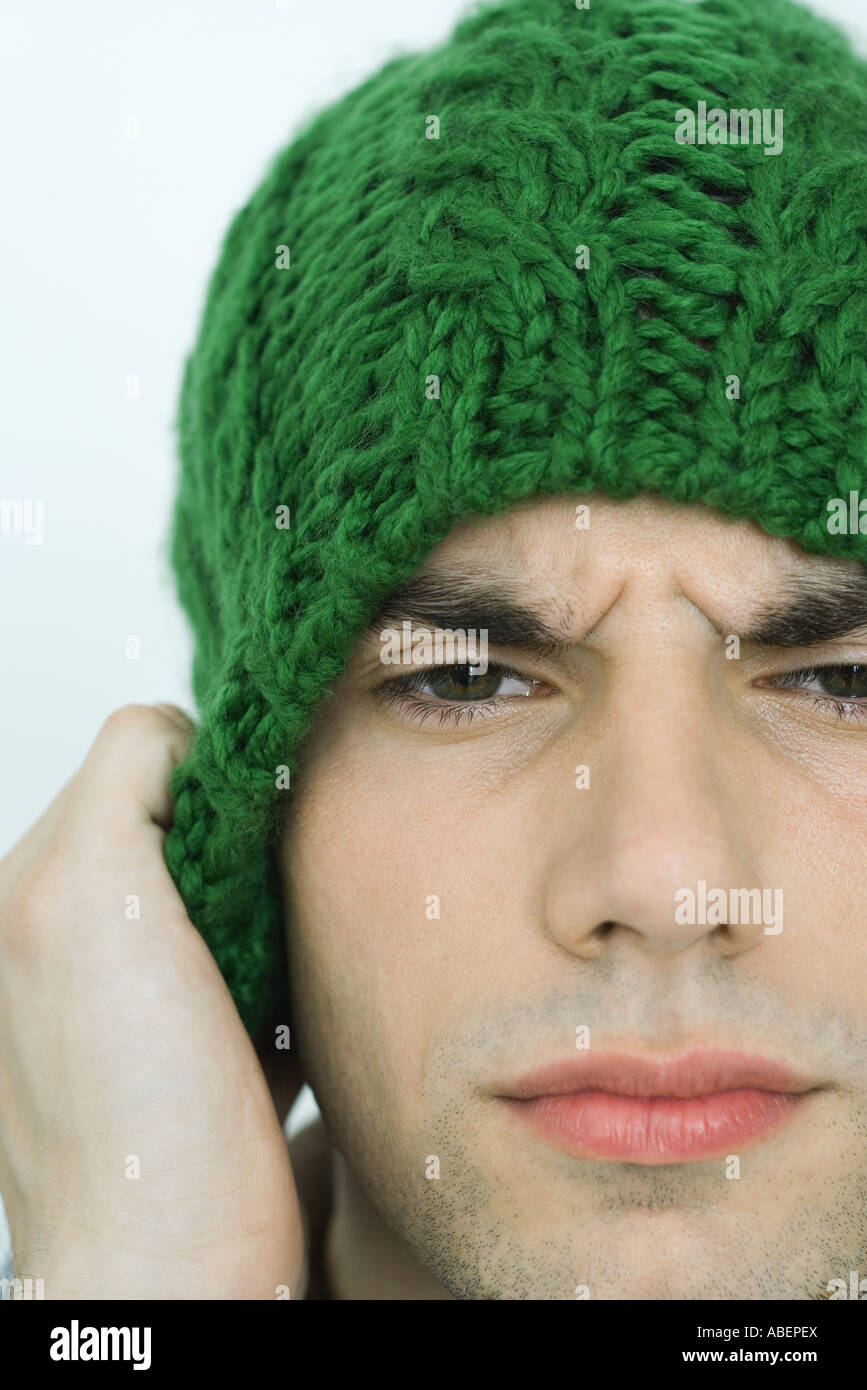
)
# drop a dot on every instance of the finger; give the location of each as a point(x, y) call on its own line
point(123, 784)
point(179, 715)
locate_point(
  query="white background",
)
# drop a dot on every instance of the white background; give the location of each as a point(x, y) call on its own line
point(108, 243)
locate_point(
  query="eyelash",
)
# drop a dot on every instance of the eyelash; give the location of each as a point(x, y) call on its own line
point(848, 710)
point(398, 693)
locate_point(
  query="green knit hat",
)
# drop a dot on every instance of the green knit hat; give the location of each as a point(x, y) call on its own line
point(416, 248)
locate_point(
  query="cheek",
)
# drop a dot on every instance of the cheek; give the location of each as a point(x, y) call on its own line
point(823, 947)
point(397, 907)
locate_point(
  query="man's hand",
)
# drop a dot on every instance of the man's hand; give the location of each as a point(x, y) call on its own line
point(141, 1155)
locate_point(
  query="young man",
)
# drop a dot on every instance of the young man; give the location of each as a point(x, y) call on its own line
point(574, 920)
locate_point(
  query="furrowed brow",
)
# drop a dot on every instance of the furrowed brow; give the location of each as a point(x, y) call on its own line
point(461, 603)
point(814, 611)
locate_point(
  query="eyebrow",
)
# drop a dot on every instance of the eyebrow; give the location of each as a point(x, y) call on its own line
point(459, 602)
point(812, 610)
point(815, 610)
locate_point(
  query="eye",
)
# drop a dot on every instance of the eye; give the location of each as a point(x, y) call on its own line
point(458, 692)
point(841, 688)
point(469, 683)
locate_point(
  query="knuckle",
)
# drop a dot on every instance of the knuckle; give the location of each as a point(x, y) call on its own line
point(135, 719)
point(137, 724)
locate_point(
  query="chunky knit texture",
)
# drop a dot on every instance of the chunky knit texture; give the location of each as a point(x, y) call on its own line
point(412, 257)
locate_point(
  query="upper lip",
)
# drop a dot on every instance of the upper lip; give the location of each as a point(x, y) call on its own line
point(683, 1076)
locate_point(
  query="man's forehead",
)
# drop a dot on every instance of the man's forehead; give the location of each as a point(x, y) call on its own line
point(582, 531)
point(569, 561)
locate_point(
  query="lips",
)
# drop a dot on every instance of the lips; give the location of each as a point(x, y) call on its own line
point(648, 1110)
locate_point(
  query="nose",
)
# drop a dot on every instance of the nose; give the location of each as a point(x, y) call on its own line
point(662, 849)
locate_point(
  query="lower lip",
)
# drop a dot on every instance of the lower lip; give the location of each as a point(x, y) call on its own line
point(655, 1129)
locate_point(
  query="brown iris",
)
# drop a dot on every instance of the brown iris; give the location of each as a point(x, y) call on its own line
point(844, 682)
point(462, 682)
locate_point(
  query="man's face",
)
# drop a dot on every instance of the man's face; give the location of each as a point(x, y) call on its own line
point(466, 907)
